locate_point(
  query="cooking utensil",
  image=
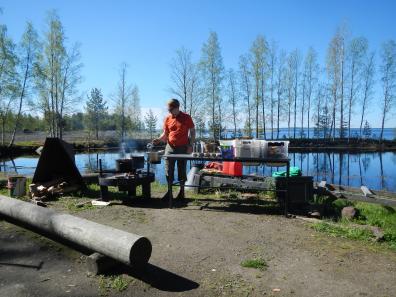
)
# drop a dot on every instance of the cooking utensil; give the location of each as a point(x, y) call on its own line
point(154, 156)
point(130, 165)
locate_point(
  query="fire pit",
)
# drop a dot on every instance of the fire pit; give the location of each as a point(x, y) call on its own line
point(127, 176)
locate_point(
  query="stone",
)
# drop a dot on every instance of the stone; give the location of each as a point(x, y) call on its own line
point(315, 214)
point(378, 233)
point(348, 212)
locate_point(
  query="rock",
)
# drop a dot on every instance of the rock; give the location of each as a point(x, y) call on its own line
point(348, 212)
point(378, 233)
point(315, 214)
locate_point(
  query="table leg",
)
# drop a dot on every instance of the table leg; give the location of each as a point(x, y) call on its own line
point(132, 191)
point(287, 188)
point(170, 184)
point(146, 190)
point(104, 193)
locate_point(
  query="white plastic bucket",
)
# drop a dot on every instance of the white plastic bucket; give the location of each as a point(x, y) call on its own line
point(17, 186)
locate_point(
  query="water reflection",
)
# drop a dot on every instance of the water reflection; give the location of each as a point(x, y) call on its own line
point(375, 170)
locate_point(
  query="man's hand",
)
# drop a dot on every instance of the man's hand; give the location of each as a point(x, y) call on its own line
point(156, 141)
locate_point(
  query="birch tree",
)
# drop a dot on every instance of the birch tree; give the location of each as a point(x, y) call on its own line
point(233, 98)
point(311, 69)
point(246, 89)
point(185, 79)
point(70, 79)
point(123, 101)
point(212, 69)
point(8, 62)
point(134, 110)
point(194, 93)
point(289, 87)
point(335, 73)
point(272, 60)
point(368, 84)
point(57, 76)
point(280, 88)
point(295, 64)
point(356, 52)
point(388, 79)
point(28, 48)
point(258, 52)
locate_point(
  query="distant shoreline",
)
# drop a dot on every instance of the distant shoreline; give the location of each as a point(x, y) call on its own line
point(296, 145)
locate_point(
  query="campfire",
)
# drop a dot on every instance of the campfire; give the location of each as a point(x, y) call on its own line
point(129, 174)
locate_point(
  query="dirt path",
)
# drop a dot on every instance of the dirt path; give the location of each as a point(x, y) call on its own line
point(198, 253)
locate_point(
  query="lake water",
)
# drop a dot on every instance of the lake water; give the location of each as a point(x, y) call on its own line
point(375, 170)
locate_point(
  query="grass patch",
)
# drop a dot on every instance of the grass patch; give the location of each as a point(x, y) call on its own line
point(343, 230)
point(258, 263)
point(369, 214)
point(114, 282)
point(379, 216)
point(32, 143)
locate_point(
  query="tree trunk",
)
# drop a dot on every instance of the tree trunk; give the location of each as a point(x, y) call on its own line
point(342, 97)
point(257, 110)
point(382, 124)
point(309, 111)
point(278, 116)
point(263, 102)
point(302, 109)
point(350, 102)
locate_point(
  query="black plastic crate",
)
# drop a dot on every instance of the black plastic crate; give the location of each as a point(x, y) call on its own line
point(300, 189)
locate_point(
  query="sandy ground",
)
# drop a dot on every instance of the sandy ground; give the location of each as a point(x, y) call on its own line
point(198, 253)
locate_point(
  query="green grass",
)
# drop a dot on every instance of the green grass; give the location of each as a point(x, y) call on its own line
point(343, 230)
point(4, 191)
point(380, 216)
point(31, 143)
point(114, 282)
point(367, 214)
point(258, 263)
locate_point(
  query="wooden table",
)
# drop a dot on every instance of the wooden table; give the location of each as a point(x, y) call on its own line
point(189, 157)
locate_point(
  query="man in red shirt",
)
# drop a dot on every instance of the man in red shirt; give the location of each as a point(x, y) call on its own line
point(179, 135)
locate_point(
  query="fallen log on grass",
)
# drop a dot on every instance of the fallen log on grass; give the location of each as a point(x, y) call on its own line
point(128, 248)
point(363, 194)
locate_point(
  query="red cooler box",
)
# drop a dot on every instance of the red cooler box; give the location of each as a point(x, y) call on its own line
point(232, 168)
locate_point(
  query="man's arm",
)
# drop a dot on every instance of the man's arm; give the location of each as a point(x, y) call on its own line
point(191, 140)
point(163, 137)
point(192, 136)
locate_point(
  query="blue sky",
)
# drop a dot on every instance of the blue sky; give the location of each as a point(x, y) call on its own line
point(145, 34)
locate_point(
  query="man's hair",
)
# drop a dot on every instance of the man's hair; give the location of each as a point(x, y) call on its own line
point(174, 102)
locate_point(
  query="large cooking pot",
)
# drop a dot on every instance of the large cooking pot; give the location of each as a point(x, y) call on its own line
point(130, 165)
point(154, 153)
point(154, 157)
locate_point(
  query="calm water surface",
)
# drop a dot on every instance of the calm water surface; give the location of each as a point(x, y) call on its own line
point(375, 170)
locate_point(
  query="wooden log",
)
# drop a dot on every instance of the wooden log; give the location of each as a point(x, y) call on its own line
point(125, 247)
point(355, 194)
point(376, 200)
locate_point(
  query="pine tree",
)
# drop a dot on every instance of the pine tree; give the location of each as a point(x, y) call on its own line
point(96, 109)
point(367, 130)
point(151, 122)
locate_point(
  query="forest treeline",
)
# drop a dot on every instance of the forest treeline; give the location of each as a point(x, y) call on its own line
point(40, 79)
point(272, 86)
